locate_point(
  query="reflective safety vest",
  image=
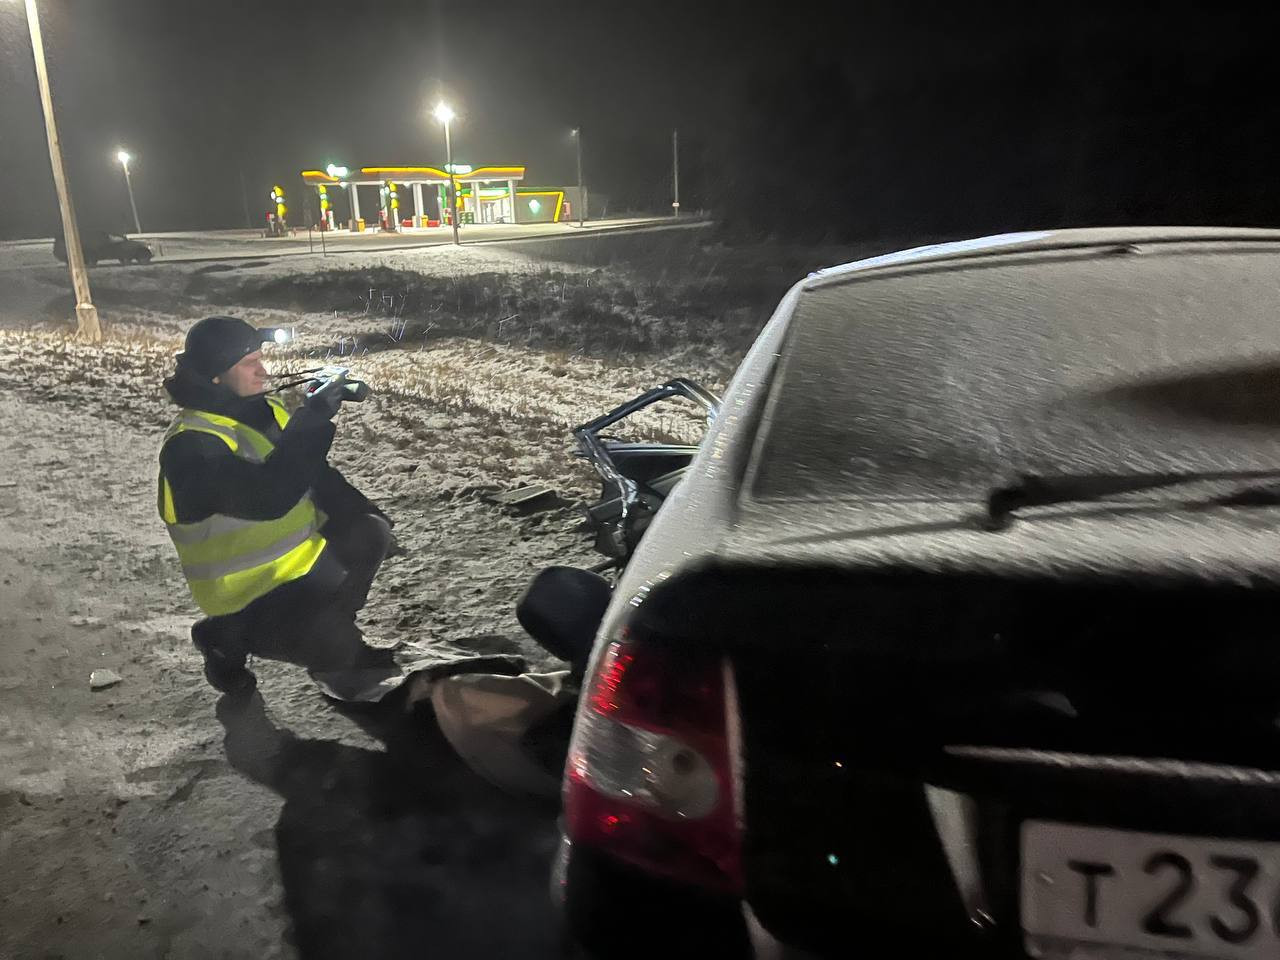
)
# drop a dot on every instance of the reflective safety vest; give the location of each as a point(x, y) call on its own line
point(229, 561)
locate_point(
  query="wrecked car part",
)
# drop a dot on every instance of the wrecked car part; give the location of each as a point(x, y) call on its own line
point(636, 477)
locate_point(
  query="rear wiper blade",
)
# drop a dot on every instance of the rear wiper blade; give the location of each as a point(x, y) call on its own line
point(1034, 490)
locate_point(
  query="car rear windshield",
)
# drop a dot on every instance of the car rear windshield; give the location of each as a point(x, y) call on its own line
point(945, 381)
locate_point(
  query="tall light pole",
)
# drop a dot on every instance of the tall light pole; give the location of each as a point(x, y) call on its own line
point(675, 172)
point(124, 159)
point(86, 313)
point(445, 115)
point(582, 197)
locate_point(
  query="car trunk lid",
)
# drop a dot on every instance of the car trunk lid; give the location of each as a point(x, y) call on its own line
point(894, 718)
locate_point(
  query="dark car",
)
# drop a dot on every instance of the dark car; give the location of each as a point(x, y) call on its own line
point(958, 637)
point(98, 245)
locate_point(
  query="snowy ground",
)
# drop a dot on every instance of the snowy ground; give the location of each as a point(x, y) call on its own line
point(148, 820)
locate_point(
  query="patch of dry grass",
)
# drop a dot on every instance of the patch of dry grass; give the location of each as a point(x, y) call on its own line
point(596, 312)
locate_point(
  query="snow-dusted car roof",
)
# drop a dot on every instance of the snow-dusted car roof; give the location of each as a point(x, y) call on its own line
point(1038, 240)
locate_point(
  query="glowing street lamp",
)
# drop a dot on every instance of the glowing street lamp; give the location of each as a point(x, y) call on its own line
point(86, 313)
point(124, 159)
point(445, 115)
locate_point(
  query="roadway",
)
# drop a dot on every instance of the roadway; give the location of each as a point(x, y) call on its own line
point(212, 245)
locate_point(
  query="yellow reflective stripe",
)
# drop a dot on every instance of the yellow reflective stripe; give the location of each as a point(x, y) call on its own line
point(258, 446)
point(238, 537)
point(236, 591)
point(183, 424)
point(231, 430)
point(231, 423)
point(246, 560)
point(281, 412)
point(167, 512)
point(214, 526)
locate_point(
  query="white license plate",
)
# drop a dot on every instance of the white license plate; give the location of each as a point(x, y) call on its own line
point(1193, 896)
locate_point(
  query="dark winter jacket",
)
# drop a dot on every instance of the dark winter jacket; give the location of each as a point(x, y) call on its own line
point(207, 478)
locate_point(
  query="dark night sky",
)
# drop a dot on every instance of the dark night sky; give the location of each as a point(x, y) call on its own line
point(863, 117)
point(194, 89)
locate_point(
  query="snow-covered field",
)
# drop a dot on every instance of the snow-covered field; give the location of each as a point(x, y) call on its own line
point(134, 822)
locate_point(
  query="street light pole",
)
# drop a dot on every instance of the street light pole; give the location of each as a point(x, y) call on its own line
point(86, 313)
point(455, 213)
point(124, 159)
point(444, 114)
point(582, 196)
point(675, 171)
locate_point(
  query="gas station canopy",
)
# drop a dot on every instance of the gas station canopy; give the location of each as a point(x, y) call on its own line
point(376, 176)
point(486, 194)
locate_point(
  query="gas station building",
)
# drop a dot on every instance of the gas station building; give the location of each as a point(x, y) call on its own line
point(396, 198)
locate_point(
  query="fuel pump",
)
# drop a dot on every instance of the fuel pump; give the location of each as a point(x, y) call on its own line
point(326, 208)
point(277, 197)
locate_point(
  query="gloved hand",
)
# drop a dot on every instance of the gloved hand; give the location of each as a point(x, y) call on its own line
point(326, 400)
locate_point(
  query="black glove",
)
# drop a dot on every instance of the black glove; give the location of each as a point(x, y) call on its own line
point(326, 400)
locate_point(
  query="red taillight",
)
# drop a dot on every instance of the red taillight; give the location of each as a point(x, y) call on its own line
point(650, 776)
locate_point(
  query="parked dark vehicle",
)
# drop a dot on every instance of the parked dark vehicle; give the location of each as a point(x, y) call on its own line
point(958, 637)
point(98, 245)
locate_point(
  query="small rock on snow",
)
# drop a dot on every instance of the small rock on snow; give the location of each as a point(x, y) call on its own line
point(101, 679)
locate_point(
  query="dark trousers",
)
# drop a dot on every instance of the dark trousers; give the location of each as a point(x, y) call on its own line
point(360, 544)
point(310, 621)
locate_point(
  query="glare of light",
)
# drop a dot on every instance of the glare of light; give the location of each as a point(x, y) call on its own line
point(832, 859)
point(443, 112)
point(281, 335)
point(123, 157)
point(336, 171)
point(573, 132)
point(534, 206)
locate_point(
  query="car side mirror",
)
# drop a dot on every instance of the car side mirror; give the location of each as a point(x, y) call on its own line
point(562, 608)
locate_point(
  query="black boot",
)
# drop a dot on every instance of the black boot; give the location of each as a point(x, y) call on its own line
point(224, 662)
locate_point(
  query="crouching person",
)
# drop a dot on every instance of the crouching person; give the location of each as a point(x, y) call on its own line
point(278, 549)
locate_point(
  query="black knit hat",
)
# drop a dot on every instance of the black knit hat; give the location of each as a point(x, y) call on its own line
point(216, 344)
